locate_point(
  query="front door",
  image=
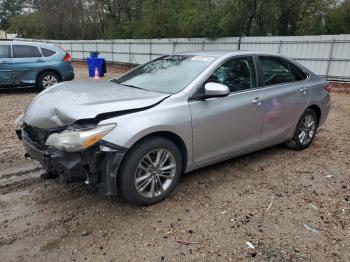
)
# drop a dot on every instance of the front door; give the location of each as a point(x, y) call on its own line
point(222, 126)
point(5, 64)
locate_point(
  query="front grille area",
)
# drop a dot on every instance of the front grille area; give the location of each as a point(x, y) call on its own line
point(38, 136)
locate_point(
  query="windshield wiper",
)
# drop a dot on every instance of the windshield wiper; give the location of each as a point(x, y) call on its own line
point(116, 81)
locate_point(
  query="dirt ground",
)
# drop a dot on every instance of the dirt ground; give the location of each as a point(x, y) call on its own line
point(272, 205)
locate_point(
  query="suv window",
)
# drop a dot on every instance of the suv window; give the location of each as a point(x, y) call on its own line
point(23, 51)
point(47, 52)
point(237, 74)
point(278, 71)
point(5, 51)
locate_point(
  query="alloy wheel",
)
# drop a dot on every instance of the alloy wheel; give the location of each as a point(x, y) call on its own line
point(307, 129)
point(49, 80)
point(155, 173)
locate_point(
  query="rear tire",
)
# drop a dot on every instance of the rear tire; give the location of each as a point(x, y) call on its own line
point(150, 171)
point(305, 131)
point(47, 79)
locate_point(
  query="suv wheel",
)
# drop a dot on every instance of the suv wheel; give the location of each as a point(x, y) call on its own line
point(150, 171)
point(305, 131)
point(47, 79)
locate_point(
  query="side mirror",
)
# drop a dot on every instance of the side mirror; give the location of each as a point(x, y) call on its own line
point(215, 90)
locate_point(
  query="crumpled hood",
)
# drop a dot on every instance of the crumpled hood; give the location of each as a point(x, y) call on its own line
point(65, 103)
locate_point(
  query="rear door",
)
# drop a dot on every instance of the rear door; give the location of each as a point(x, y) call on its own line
point(27, 61)
point(5, 65)
point(286, 94)
point(226, 125)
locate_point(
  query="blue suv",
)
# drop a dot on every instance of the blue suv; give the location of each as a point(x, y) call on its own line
point(33, 64)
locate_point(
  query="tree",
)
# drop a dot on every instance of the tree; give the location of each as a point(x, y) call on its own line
point(8, 9)
point(338, 20)
point(27, 26)
point(91, 19)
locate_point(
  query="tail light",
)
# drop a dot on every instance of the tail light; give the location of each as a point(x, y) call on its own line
point(328, 87)
point(67, 57)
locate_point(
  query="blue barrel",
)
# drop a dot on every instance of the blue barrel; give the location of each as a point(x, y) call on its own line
point(94, 63)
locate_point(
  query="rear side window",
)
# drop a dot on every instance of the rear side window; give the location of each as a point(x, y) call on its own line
point(297, 71)
point(5, 51)
point(47, 52)
point(23, 51)
point(278, 71)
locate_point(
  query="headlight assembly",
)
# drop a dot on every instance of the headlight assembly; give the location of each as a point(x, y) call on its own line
point(76, 140)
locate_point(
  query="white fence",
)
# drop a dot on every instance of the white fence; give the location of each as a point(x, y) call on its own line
point(327, 55)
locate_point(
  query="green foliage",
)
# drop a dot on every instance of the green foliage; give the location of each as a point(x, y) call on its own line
point(8, 9)
point(89, 19)
point(229, 18)
point(338, 20)
point(158, 20)
point(27, 26)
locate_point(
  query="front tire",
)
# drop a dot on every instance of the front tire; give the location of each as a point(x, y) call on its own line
point(47, 79)
point(150, 171)
point(305, 131)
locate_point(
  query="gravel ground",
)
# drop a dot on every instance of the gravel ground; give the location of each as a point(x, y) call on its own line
point(288, 205)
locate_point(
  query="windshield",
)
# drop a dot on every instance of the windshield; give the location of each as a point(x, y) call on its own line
point(169, 74)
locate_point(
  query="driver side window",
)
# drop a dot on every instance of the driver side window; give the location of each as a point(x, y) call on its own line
point(237, 74)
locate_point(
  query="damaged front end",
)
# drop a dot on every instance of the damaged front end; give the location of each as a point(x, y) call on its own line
point(76, 153)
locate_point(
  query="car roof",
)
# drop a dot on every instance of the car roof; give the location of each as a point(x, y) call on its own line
point(9, 42)
point(221, 53)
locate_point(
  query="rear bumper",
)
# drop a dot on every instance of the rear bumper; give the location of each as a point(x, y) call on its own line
point(66, 71)
point(68, 76)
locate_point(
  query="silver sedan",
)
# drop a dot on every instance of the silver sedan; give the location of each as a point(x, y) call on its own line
point(135, 135)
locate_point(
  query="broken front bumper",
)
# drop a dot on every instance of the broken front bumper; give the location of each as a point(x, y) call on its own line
point(56, 163)
point(94, 166)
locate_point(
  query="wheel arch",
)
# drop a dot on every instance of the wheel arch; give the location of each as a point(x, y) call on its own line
point(318, 112)
point(46, 70)
point(176, 139)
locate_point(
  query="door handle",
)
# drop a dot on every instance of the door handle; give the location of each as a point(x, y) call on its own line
point(303, 90)
point(40, 60)
point(258, 101)
point(4, 62)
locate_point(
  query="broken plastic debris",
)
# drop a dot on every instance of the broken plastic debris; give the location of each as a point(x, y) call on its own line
point(184, 242)
point(310, 228)
point(249, 244)
point(303, 172)
point(329, 176)
point(267, 209)
point(313, 206)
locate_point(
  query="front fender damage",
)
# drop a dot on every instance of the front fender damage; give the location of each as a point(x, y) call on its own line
point(109, 174)
point(99, 169)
